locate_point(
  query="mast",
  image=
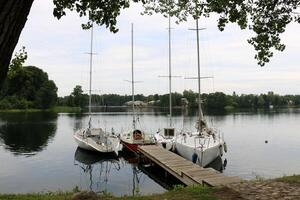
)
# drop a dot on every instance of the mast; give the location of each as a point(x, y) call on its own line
point(170, 74)
point(132, 78)
point(199, 80)
point(91, 68)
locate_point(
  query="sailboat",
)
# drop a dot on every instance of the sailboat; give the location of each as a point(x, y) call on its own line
point(166, 137)
point(134, 137)
point(206, 144)
point(95, 139)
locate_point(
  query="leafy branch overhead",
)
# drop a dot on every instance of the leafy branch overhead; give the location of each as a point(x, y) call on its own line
point(101, 12)
point(267, 19)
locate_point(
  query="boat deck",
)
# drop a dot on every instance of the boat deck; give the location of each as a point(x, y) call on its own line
point(184, 170)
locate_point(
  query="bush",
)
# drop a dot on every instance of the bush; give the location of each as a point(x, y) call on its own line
point(13, 102)
point(5, 104)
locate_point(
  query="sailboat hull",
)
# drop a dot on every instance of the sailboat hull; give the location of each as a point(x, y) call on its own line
point(107, 144)
point(166, 143)
point(130, 147)
point(201, 156)
point(131, 142)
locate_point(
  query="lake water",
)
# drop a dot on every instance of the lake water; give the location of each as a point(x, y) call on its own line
point(38, 152)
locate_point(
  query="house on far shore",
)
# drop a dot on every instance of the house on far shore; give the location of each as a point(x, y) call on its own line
point(153, 103)
point(136, 103)
point(184, 102)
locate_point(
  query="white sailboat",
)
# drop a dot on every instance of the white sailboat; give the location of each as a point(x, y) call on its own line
point(166, 136)
point(134, 137)
point(206, 144)
point(95, 139)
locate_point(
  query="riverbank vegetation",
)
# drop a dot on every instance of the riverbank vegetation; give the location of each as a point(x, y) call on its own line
point(216, 100)
point(295, 179)
point(179, 192)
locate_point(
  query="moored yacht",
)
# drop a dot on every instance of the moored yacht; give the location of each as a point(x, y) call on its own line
point(95, 139)
point(206, 144)
point(165, 137)
point(134, 137)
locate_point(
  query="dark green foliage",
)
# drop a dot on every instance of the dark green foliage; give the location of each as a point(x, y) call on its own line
point(27, 87)
point(102, 12)
point(215, 100)
point(46, 95)
point(191, 97)
point(77, 98)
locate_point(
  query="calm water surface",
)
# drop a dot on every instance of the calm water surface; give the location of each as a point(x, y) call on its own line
point(38, 153)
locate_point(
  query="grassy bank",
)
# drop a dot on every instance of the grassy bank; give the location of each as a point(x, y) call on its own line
point(56, 109)
point(179, 193)
point(65, 109)
point(295, 179)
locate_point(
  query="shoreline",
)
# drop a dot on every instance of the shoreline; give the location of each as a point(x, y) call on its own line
point(286, 187)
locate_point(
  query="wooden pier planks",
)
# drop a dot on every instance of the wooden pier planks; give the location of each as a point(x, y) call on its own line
point(184, 170)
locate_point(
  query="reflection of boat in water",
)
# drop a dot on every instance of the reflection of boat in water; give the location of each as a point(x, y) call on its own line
point(96, 167)
point(142, 170)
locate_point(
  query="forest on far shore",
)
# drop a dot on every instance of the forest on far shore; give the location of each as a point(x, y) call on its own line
point(28, 87)
point(216, 100)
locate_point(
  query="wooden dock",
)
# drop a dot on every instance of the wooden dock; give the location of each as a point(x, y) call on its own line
point(184, 170)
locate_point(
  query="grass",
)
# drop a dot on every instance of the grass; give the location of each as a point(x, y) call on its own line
point(55, 109)
point(19, 110)
point(295, 179)
point(65, 109)
point(178, 193)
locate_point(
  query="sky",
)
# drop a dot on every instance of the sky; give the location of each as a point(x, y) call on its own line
point(59, 47)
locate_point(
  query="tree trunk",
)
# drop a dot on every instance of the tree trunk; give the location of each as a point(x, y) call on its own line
point(13, 16)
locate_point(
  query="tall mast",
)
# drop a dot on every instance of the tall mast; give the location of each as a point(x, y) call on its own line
point(199, 79)
point(91, 68)
point(132, 78)
point(170, 74)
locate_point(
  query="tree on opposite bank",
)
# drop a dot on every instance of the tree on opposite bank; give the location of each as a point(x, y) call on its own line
point(27, 86)
point(267, 19)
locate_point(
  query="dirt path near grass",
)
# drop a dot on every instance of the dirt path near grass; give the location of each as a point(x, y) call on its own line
point(265, 190)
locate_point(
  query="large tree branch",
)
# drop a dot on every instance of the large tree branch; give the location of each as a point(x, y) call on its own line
point(13, 16)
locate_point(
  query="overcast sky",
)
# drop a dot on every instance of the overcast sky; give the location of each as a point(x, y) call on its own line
point(59, 47)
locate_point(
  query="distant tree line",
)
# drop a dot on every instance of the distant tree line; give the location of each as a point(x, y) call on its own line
point(216, 100)
point(27, 86)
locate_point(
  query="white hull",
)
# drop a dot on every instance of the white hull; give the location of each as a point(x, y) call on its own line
point(166, 143)
point(101, 143)
point(141, 138)
point(203, 153)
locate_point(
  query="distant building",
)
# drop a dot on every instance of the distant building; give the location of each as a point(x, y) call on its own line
point(136, 103)
point(152, 103)
point(290, 103)
point(184, 102)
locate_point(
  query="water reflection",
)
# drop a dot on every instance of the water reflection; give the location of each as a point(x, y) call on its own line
point(96, 167)
point(101, 173)
point(141, 168)
point(26, 134)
